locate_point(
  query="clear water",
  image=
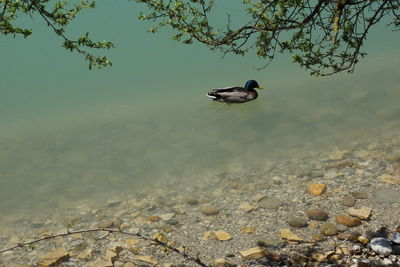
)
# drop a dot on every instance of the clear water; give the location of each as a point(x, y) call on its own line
point(68, 133)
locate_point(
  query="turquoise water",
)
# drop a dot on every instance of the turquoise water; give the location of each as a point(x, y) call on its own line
point(68, 133)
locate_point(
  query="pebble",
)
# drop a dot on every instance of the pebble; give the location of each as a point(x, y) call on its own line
point(349, 201)
point(54, 258)
point(390, 179)
point(359, 195)
point(395, 238)
point(209, 210)
point(362, 213)
point(338, 154)
point(253, 253)
point(221, 263)
point(289, 235)
point(316, 189)
point(222, 235)
point(328, 229)
point(350, 235)
point(166, 216)
point(317, 214)
point(363, 240)
point(270, 203)
point(248, 230)
point(246, 206)
point(268, 242)
point(381, 246)
point(297, 222)
point(348, 220)
point(317, 238)
point(341, 228)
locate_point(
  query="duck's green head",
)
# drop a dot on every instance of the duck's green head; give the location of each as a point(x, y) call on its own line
point(251, 84)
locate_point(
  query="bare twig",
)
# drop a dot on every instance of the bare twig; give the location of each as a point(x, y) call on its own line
point(110, 230)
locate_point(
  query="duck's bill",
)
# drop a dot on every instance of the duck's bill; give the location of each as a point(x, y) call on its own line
point(260, 87)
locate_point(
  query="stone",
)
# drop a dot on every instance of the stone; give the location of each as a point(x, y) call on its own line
point(101, 263)
point(359, 195)
point(192, 201)
point(390, 179)
point(317, 214)
point(341, 228)
point(258, 197)
point(387, 196)
point(246, 207)
point(338, 154)
point(253, 253)
point(270, 203)
point(208, 235)
point(209, 210)
point(313, 224)
point(131, 242)
point(268, 242)
point(221, 263)
point(160, 238)
point(297, 222)
point(361, 262)
point(393, 156)
point(381, 246)
point(316, 189)
point(248, 230)
point(222, 235)
point(349, 235)
point(362, 213)
point(111, 255)
point(289, 235)
point(54, 258)
point(348, 220)
point(328, 229)
point(349, 201)
point(363, 239)
point(146, 259)
point(85, 255)
point(129, 264)
point(317, 238)
point(153, 218)
point(319, 257)
point(395, 238)
point(166, 216)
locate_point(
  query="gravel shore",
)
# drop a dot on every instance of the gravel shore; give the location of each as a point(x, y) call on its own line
point(323, 208)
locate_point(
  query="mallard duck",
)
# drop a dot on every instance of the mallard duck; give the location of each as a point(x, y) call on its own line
point(236, 94)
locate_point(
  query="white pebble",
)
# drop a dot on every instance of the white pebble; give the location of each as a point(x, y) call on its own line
point(396, 238)
point(381, 246)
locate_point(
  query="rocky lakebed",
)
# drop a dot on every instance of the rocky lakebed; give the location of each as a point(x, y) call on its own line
point(336, 207)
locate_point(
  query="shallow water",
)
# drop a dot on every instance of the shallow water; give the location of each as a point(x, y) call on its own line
point(69, 134)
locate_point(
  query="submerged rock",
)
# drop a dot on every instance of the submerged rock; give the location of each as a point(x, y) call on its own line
point(349, 201)
point(209, 210)
point(381, 246)
point(316, 189)
point(348, 220)
point(54, 258)
point(270, 203)
point(297, 222)
point(317, 214)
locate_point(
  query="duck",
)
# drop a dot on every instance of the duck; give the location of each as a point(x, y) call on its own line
point(236, 94)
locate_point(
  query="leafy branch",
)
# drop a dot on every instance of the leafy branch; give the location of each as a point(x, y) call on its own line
point(323, 36)
point(58, 18)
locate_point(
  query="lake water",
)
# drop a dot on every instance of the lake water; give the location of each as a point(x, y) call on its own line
point(69, 134)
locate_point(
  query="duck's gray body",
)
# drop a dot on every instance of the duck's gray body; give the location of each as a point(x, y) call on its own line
point(236, 94)
point(233, 94)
